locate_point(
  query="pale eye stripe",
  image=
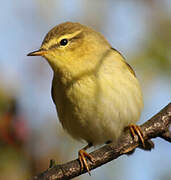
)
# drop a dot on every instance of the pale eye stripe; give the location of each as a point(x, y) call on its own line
point(69, 36)
point(55, 43)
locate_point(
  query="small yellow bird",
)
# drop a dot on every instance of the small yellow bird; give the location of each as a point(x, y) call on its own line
point(95, 90)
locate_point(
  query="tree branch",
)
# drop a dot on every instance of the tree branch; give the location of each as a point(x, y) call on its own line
point(158, 126)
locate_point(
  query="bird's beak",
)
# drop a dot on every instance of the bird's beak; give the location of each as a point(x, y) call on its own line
point(39, 52)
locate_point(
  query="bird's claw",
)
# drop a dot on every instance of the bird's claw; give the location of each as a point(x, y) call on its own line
point(135, 129)
point(52, 163)
point(82, 158)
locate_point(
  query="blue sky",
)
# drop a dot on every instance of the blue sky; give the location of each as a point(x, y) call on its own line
point(23, 27)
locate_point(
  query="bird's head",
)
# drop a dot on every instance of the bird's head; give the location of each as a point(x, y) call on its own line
point(72, 47)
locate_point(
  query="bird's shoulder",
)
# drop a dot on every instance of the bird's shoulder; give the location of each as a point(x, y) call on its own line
point(124, 61)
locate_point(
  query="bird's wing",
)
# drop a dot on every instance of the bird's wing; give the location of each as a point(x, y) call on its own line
point(129, 67)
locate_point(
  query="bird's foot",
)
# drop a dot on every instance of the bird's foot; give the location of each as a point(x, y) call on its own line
point(52, 163)
point(135, 129)
point(146, 144)
point(82, 154)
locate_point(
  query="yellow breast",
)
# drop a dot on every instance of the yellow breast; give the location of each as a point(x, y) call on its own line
point(97, 105)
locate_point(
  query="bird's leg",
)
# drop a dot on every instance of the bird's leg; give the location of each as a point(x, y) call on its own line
point(82, 154)
point(135, 129)
point(52, 163)
point(108, 142)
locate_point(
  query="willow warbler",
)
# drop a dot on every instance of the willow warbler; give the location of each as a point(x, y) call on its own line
point(95, 90)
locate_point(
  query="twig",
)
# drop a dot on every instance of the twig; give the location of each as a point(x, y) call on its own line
point(158, 126)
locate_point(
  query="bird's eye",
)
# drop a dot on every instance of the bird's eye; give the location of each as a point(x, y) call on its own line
point(64, 42)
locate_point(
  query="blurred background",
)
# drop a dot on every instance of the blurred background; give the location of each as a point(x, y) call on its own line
point(30, 133)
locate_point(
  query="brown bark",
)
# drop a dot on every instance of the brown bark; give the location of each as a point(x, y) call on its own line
point(158, 126)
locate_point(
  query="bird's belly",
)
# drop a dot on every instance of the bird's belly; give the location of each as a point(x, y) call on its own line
point(97, 113)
